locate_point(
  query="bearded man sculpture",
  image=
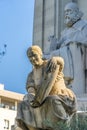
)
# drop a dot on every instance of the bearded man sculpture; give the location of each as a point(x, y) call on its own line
point(72, 47)
point(49, 100)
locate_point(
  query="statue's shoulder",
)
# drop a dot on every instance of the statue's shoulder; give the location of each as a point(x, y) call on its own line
point(80, 25)
point(83, 22)
point(30, 73)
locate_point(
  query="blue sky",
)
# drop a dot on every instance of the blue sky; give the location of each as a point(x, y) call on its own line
point(16, 29)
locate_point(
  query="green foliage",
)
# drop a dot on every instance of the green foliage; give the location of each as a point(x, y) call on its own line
point(61, 126)
point(77, 123)
point(57, 125)
point(80, 123)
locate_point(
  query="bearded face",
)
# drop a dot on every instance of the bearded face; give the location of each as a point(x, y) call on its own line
point(70, 17)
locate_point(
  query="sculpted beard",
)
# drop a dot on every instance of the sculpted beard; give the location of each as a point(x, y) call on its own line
point(69, 21)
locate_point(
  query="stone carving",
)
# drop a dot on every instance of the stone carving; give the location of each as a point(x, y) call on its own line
point(72, 46)
point(48, 101)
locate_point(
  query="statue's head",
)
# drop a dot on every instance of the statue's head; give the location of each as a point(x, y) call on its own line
point(34, 54)
point(72, 14)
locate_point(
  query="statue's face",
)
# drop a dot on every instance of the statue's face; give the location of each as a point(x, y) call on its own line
point(70, 16)
point(35, 58)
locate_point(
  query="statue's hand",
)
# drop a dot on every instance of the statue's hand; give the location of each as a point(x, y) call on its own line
point(34, 103)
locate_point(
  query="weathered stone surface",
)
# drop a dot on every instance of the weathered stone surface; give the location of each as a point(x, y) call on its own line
point(51, 101)
point(57, 9)
point(72, 47)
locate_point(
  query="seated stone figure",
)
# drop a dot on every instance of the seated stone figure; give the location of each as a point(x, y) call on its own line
point(48, 100)
point(72, 47)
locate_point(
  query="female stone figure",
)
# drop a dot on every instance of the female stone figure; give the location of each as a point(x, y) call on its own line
point(50, 100)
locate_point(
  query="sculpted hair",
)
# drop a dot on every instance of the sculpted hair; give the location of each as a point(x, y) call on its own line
point(75, 8)
point(34, 48)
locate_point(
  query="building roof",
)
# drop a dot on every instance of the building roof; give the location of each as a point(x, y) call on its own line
point(11, 95)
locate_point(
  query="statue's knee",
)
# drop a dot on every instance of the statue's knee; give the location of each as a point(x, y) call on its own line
point(59, 108)
point(57, 102)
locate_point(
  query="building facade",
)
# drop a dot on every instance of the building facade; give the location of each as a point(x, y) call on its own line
point(8, 107)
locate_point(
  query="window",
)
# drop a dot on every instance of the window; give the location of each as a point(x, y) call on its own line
point(7, 104)
point(6, 124)
point(13, 107)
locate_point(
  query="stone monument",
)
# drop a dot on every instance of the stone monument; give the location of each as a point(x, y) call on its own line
point(48, 101)
point(72, 47)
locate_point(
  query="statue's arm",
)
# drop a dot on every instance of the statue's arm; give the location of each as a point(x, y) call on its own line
point(48, 81)
point(53, 63)
point(44, 89)
point(30, 82)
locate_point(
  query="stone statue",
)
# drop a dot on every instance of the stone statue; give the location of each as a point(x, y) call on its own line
point(48, 101)
point(72, 47)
